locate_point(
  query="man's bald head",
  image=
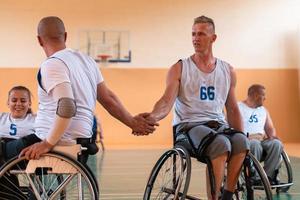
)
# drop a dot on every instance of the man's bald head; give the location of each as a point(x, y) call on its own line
point(52, 28)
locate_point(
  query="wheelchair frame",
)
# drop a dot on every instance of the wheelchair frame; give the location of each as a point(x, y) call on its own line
point(174, 166)
point(285, 174)
point(54, 176)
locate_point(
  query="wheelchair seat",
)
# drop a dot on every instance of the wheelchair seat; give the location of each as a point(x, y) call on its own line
point(71, 150)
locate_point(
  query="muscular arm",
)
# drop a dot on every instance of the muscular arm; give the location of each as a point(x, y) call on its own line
point(114, 106)
point(163, 106)
point(269, 127)
point(233, 113)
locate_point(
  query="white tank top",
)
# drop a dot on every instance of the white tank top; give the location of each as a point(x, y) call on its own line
point(201, 95)
point(16, 128)
point(84, 76)
point(254, 119)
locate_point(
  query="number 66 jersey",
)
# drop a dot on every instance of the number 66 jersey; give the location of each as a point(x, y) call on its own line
point(202, 95)
point(15, 128)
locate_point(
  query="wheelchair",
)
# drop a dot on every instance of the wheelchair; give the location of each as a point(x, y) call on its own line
point(170, 177)
point(284, 174)
point(56, 175)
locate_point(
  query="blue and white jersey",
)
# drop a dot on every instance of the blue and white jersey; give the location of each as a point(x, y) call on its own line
point(254, 119)
point(16, 128)
point(82, 72)
point(201, 95)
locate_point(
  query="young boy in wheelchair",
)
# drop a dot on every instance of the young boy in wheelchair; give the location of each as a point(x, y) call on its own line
point(262, 134)
point(201, 86)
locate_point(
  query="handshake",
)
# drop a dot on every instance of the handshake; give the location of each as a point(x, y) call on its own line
point(143, 124)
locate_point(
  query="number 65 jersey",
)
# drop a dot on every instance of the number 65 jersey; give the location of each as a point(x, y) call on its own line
point(16, 128)
point(254, 119)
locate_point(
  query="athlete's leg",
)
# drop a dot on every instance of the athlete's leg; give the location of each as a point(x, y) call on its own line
point(218, 165)
point(256, 149)
point(217, 151)
point(240, 147)
point(14, 147)
point(273, 149)
point(10, 149)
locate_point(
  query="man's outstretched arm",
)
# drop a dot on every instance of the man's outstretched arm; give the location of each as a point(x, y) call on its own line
point(114, 106)
point(164, 105)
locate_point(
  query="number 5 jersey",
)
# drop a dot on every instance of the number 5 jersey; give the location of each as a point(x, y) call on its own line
point(16, 128)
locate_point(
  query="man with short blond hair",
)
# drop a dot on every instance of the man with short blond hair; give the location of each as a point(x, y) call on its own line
point(201, 86)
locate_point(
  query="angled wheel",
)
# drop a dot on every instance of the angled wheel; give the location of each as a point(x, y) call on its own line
point(285, 175)
point(170, 177)
point(53, 176)
point(246, 187)
point(186, 174)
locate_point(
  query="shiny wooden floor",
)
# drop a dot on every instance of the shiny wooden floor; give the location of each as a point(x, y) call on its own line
point(122, 174)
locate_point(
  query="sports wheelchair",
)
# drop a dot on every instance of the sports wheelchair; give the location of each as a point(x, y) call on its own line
point(56, 175)
point(170, 176)
point(284, 174)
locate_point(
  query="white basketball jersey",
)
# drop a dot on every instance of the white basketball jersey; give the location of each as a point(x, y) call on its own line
point(254, 119)
point(83, 74)
point(16, 128)
point(201, 95)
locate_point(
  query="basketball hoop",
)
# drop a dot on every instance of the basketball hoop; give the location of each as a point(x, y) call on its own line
point(103, 57)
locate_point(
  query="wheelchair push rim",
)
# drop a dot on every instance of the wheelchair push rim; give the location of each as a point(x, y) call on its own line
point(169, 178)
point(53, 176)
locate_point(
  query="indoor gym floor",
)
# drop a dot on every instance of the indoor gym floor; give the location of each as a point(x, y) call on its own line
point(122, 174)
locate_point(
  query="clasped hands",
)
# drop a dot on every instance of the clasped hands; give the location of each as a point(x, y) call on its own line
point(144, 124)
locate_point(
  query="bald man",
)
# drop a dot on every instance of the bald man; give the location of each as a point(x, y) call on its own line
point(69, 85)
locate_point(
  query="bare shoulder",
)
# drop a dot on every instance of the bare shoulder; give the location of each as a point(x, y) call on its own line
point(177, 66)
point(231, 69)
point(175, 70)
point(232, 75)
point(265, 109)
point(267, 112)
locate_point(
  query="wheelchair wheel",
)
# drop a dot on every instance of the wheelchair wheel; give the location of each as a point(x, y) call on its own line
point(53, 176)
point(187, 165)
point(246, 187)
point(170, 177)
point(285, 174)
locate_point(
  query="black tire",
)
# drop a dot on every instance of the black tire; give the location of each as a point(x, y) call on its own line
point(245, 186)
point(174, 168)
point(92, 176)
point(285, 174)
point(187, 165)
point(57, 178)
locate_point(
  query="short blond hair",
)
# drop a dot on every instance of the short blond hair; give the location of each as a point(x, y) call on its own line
point(204, 19)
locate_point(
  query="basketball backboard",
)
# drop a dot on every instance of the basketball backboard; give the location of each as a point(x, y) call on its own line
point(105, 46)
